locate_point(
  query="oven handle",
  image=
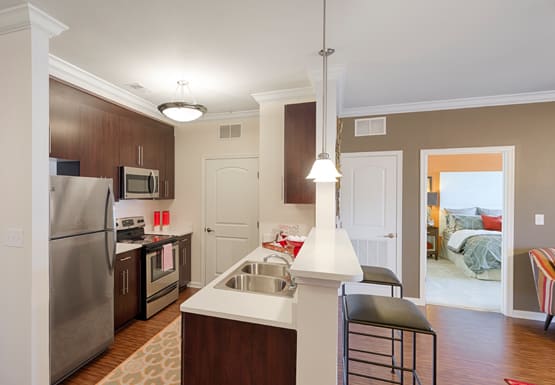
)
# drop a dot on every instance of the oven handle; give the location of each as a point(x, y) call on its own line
point(162, 292)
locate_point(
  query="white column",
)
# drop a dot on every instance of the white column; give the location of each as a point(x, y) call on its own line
point(325, 192)
point(24, 38)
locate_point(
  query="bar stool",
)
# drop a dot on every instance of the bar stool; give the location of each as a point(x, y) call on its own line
point(377, 275)
point(389, 313)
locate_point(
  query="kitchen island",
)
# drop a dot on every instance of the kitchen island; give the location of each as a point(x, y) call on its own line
point(237, 337)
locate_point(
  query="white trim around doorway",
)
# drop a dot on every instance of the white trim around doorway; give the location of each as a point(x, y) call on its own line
point(205, 158)
point(508, 153)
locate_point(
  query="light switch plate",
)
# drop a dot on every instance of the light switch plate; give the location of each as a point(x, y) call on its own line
point(539, 219)
point(13, 238)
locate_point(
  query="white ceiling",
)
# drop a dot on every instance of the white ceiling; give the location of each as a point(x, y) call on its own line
point(393, 51)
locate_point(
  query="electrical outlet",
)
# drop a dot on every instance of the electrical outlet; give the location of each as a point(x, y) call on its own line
point(13, 238)
point(539, 220)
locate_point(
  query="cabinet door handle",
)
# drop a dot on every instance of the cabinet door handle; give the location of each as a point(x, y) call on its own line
point(142, 156)
point(125, 259)
point(127, 281)
point(123, 283)
point(138, 155)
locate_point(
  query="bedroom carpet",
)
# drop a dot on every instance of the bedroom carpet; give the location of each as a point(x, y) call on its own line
point(447, 285)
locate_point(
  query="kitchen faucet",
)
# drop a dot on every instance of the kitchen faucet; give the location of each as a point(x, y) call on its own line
point(292, 283)
point(278, 257)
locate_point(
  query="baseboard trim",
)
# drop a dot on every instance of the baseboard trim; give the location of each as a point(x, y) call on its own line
point(530, 315)
point(416, 301)
point(195, 285)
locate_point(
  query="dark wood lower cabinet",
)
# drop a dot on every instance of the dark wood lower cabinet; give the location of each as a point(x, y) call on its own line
point(217, 351)
point(127, 272)
point(184, 261)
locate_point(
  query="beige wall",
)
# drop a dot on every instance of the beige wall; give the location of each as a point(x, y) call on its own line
point(272, 209)
point(530, 128)
point(193, 141)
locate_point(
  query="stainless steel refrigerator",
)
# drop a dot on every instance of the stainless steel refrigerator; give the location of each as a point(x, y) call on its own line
point(82, 254)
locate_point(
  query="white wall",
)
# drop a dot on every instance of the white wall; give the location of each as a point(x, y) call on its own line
point(146, 208)
point(193, 141)
point(24, 328)
point(272, 209)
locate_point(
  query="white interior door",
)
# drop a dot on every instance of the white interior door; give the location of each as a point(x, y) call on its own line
point(231, 212)
point(370, 195)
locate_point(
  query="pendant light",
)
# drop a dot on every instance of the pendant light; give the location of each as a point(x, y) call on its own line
point(323, 169)
point(181, 111)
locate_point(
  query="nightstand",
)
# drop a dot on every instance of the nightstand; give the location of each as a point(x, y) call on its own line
point(432, 242)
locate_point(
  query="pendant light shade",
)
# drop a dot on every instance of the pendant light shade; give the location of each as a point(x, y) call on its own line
point(182, 111)
point(323, 169)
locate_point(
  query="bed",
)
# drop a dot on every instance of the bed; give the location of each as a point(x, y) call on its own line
point(472, 247)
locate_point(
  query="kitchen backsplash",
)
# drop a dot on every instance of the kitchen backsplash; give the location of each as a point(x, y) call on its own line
point(146, 208)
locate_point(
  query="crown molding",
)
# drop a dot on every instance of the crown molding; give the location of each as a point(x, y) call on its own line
point(451, 104)
point(288, 94)
point(72, 74)
point(26, 16)
point(230, 115)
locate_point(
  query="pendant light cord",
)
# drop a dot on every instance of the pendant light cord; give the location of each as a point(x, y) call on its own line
point(324, 54)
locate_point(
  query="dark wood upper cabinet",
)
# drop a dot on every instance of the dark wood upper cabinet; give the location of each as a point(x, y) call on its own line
point(299, 152)
point(64, 122)
point(103, 136)
point(167, 163)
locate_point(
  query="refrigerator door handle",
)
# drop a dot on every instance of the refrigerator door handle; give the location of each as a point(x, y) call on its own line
point(110, 227)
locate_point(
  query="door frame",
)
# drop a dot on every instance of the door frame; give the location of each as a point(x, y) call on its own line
point(399, 198)
point(507, 247)
point(205, 159)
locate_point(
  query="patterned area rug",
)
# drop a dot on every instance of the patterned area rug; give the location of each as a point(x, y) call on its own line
point(515, 382)
point(156, 363)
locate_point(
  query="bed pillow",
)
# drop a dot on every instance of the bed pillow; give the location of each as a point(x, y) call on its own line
point(492, 223)
point(467, 211)
point(490, 212)
point(464, 222)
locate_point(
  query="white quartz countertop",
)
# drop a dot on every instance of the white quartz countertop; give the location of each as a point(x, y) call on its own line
point(327, 254)
point(176, 232)
point(125, 247)
point(243, 306)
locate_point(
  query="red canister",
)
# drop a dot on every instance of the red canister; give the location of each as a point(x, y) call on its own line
point(156, 221)
point(165, 218)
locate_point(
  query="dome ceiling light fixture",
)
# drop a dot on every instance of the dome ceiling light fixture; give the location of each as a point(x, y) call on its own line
point(323, 169)
point(181, 111)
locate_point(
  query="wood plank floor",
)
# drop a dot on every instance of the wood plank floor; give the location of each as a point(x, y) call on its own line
point(473, 348)
point(129, 339)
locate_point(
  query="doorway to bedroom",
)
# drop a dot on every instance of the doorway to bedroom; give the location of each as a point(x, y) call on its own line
point(464, 253)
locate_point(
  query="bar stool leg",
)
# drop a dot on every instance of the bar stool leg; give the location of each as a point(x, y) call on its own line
point(402, 359)
point(393, 339)
point(345, 348)
point(413, 358)
point(434, 367)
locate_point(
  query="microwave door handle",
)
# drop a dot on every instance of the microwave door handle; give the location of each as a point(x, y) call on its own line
point(151, 182)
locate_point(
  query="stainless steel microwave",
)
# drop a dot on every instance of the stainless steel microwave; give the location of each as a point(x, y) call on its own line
point(139, 183)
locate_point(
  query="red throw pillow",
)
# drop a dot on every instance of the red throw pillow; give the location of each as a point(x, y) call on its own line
point(492, 223)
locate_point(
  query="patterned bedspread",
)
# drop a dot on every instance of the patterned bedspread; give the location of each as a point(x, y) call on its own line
point(481, 252)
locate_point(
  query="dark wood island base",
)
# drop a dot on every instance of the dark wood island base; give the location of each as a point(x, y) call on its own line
point(218, 351)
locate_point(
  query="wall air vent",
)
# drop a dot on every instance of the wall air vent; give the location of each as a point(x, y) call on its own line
point(370, 126)
point(230, 131)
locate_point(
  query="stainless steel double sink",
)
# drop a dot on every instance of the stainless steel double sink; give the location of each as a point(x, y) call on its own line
point(259, 277)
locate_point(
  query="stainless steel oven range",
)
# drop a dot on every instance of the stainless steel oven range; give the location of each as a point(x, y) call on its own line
point(159, 280)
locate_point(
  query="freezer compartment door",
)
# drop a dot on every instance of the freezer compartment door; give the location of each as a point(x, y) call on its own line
point(81, 301)
point(80, 205)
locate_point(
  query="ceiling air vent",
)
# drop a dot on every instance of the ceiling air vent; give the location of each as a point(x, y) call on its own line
point(230, 131)
point(370, 126)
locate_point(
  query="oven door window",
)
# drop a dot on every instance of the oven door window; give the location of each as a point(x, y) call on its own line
point(156, 270)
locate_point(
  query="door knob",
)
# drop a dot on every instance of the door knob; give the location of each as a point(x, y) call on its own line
point(208, 230)
point(390, 235)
